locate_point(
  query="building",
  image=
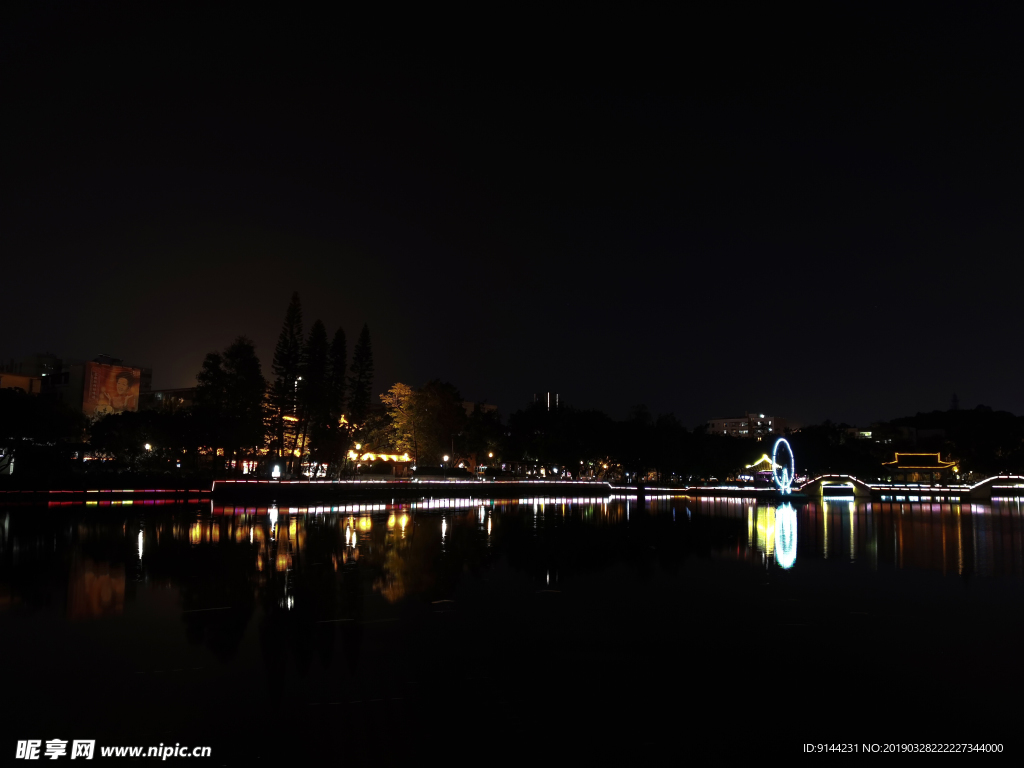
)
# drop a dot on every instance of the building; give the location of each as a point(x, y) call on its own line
point(35, 365)
point(470, 406)
point(756, 425)
point(98, 386)
point(920, 468)
point(31, 384)
point(550, 400)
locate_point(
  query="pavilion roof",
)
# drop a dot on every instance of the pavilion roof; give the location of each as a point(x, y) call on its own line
point(919, 461)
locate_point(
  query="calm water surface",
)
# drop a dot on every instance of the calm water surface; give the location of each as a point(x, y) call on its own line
point(381, 631)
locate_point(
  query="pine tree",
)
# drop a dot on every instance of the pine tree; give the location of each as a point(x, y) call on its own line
point(337, 362)
point(244, 388)
point(286, 368)
point(360, 378)
point(334, 443)
point(314, 401)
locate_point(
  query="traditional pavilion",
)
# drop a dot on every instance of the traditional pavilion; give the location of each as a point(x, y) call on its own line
point(920, 468)
point(760, 471)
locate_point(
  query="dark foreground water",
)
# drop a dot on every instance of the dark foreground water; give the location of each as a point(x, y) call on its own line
point(475, 630)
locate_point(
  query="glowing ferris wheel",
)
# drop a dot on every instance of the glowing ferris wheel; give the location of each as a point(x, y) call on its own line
point(783, 474)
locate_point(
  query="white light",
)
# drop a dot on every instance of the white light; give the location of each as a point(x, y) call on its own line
point(140, 545)
point(785, 536)
point(149, 447)
point(277, 471)
point(783, 476)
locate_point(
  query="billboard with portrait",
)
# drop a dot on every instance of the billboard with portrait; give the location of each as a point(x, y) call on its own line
point(110, 389)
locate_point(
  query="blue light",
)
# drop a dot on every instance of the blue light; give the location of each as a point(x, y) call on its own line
point(783, 476)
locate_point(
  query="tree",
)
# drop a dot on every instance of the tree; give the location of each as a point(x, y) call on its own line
point(439, 417)
point(400, 402)
point(332, 443)
point(34, 429)
point(245, 388)
point(230, 391)
point(360, 378)
point(483, 435)
point(210, 401)
point(286, 369)
point(314, 391)
point(337, 361)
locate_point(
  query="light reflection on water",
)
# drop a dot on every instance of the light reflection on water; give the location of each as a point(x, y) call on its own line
point(320, 605)
point(419, 549)
point(980, 539)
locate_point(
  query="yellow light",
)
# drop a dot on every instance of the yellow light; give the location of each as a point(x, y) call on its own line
point(403, 521)
point(291, 418)
point(298, 452)
point(391, 522)
point(490, 454)
point(359, 446)
point(446, 457)
point(364, 523)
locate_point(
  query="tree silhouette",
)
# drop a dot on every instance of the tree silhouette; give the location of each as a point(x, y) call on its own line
point(286, 369)
point(361, 378)
point(229, 400)
point(314, 392)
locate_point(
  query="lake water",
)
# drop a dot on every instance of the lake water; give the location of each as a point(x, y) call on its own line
point(679, 626)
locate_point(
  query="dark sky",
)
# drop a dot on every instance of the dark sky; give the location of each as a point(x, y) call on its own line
point(815, 216)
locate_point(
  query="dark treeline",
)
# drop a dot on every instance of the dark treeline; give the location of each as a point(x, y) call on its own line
point(318, 416)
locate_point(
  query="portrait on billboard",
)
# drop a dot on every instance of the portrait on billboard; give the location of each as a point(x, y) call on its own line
point(110, 389)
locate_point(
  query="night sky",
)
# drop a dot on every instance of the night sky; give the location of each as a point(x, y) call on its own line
point(814, 216)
